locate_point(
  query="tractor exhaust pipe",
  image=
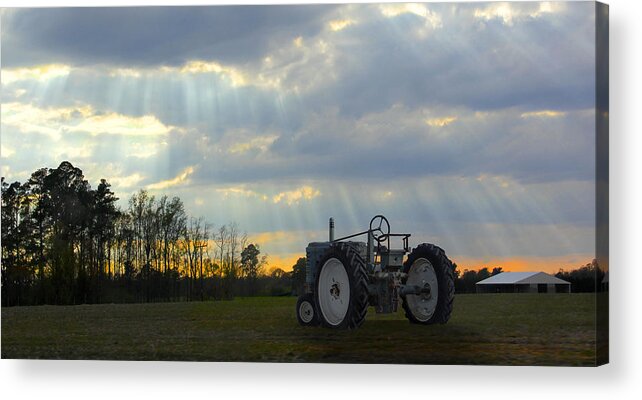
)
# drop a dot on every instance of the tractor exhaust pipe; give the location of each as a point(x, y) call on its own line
point(331, 229)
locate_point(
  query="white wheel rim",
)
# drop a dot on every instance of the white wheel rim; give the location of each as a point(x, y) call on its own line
point(423, 274)
point(333, 291)
point(306, 312)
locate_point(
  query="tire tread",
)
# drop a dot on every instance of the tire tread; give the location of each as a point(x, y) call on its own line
point(446, 280)
point(358, 276)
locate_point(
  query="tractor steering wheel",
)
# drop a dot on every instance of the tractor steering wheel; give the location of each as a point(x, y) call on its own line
point(379, 224)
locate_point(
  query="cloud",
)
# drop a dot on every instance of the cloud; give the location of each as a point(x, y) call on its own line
point(440, 122)
point(126, 182)
point(240, 191)
point(508, 13)
point(55, 122)
point(27, 118)
point(432, 18)
point(200, 67)
point(40, 73)
point(126, 72)
point(340, 24)
point(180, 179)
point(123, 178)
point(82, 152)
point(543, 114)
point(6, 151)
point(174, 98)
point(400, 142)
point(295, 66)
point(260, 143)
point(373, 65)
point(126, 36)
point(462, 63)
point(115, 124)
point(291, 197)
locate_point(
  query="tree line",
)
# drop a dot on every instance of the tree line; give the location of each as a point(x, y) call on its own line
point(64, 242)
point(587, 278)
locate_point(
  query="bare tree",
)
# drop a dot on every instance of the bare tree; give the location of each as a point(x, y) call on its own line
point(195, 241)
point(221, 239)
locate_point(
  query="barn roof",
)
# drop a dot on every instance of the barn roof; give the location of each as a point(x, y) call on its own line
point(512, 278)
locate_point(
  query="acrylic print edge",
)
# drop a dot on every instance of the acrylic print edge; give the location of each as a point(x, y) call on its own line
point(602, 179)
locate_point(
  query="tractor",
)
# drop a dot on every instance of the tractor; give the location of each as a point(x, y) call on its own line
point(345, 277)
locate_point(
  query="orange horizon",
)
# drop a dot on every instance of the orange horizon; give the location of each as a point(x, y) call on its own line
point(512, 264)
point(522, 264)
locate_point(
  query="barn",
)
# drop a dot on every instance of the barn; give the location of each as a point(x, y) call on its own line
point(523, 282)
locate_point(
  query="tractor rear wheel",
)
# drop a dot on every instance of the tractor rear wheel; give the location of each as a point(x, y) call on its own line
point(427, 266)
point(341, 288)
point(305, 311)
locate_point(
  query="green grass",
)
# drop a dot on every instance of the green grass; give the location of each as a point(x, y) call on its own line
point(508, 329)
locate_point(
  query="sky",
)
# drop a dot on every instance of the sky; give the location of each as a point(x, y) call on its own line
point(469, 125)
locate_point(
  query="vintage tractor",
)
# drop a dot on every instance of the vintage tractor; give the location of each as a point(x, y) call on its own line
point(344, 277)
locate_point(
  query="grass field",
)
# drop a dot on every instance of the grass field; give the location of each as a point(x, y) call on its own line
point(507, 329)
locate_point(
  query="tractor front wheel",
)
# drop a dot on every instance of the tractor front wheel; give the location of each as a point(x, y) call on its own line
point(428, 267)
point(305, 311)
point(342, 288)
